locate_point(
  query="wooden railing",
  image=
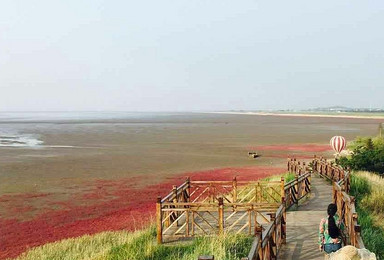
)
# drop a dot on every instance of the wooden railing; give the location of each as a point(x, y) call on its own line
point(268, 241)
point(332, 172)
point(300, 187)
point(257, 208)
point(345, 203)
point(266, 244)
point(297, 167)
point(213, 207)
point(297, 189)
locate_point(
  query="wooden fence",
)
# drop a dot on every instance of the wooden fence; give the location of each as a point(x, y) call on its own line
point(266, 244)
point(213, 207)
point(332, 172)
point(300, 187)
point(257, 208)
point(345, 203)
point(268, 241)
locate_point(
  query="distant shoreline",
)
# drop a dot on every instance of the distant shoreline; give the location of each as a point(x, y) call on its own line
point(301, 115)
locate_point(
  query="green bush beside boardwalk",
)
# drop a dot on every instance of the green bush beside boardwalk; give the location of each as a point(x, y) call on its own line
point(367, 154)
point(368, 189)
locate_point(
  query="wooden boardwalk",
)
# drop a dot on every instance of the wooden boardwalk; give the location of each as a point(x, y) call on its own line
point(214, 207)
point(303, 224)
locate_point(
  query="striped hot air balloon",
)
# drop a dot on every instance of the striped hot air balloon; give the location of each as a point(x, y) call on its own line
point(338, 143)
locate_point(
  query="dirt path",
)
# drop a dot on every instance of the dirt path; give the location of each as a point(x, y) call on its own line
point(303, 225)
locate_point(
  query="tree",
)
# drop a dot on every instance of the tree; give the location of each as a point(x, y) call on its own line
point(367, 154)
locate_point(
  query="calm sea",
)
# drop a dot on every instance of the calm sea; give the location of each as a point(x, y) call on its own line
point(23, 129)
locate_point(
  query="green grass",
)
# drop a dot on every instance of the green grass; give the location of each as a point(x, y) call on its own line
point(287, 177)
point(140, 245)
point(368, 189)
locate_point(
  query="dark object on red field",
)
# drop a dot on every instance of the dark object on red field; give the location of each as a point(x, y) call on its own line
point(253, 154)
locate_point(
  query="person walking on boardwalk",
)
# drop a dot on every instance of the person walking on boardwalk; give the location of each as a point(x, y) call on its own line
point(330, 231)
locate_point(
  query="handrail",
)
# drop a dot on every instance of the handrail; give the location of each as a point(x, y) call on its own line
point(212, 207)
point(299, 187)
point(267, 243)
point(179, 190)
point(182, 188)
point(264, 246)
point(345, 203)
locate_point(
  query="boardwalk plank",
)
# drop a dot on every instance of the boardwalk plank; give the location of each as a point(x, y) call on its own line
point(303, 224)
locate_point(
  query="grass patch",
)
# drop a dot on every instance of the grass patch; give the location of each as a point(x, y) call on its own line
point(368, 191)
point(140, 245)
point(287, 177)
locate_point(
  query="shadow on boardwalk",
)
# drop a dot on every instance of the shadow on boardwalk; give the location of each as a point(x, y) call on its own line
point(303, 225)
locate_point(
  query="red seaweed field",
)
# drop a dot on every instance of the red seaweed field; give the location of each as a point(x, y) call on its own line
point(295, 147)
point(103, 205)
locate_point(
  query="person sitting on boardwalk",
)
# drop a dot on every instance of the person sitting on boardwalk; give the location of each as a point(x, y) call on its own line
point(330, 231)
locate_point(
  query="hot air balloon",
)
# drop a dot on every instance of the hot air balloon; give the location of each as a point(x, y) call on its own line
point(338, 143)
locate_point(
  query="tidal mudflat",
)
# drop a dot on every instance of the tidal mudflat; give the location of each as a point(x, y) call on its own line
point(68, 174)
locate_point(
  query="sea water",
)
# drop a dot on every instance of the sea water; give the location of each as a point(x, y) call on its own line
point(22, 129)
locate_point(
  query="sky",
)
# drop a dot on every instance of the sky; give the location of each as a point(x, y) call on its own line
point(183, 55)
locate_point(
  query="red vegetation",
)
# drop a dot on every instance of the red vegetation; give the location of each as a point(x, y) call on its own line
point(104, 205)
point(297, 156)
point(298, 148)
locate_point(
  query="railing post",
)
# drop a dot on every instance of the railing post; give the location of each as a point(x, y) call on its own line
point(298, 169)
point(297, 189)
point(221, 216)
point(283, 224)
point(310, 181)
point(288, 164)
point(259, 231)
point(159, 220)
point(356, 229)
point(342, 186)
point(282, 190)
point(348, 180)
point(234, 188)
point(175, 200)
point(188, 189)
point(187, 222)
point(174, 191)
point(273, 239)
point(257, 193)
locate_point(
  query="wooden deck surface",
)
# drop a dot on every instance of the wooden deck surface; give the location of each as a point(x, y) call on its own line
point(303, 224)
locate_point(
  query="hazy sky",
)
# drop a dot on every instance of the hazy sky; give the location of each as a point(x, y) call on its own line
point(190, 54)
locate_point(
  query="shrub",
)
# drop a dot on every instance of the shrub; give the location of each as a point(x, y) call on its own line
point(367, 154)
point(368, 190)
point(359, 186)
